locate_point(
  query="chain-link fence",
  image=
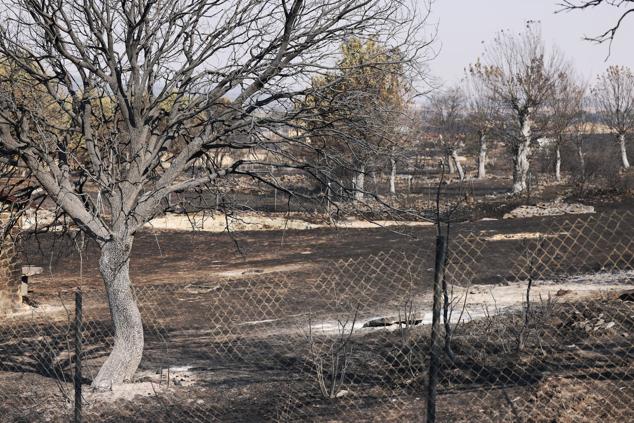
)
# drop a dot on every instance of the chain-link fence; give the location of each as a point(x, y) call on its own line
point(537, 324)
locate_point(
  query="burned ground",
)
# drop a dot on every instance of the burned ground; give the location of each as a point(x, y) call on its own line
point(238, 334)
point(571, 364)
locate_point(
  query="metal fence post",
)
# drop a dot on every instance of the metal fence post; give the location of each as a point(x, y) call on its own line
point(441, 242)
point(77, 376)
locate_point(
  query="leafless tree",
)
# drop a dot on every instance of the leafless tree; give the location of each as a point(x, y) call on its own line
point(446, 119)
point(587, 128)
point(565, 109)
point(136, 98)
point(614, 100)
point(482, 118)
point(404, 136)
point(519, 75)
point(626, 6)
point(18, 195)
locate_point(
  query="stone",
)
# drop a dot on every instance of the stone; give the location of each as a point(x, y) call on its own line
point(554, 208)
point(31, 270)
point(627, 295)
point(341, 393)
point(380, 322)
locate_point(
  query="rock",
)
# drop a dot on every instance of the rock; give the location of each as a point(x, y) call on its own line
point(342, 393)
point(376, 323)
point(627, 295)
point(609, 325)
point(554, 208)
point(412, 322)
point(32, 270)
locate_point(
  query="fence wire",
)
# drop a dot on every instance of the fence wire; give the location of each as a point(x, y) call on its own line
point(538, 325)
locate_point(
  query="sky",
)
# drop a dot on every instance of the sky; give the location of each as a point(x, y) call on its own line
point(464, 25)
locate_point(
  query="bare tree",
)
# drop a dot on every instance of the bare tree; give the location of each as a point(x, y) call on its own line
point(627, 9)
point(519, 76)
point(614, 100)
point(404, 134)
point(446, 119)
point(586, 128)
point(145, 92)
point(482, 118)
point(565, 111)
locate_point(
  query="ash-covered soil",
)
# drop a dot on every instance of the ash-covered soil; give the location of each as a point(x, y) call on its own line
point(573, 367)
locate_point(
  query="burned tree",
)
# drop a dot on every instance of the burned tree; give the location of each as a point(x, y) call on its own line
point(625, 6)
point(446, 119)
point(482, 118)
point(565, 109)
point(519, 76)
point(145, 94)
point(613, 95)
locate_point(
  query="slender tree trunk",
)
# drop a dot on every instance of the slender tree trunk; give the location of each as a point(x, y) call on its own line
point(521, 156)
point(128, 327)
point(374, 182)
point(482, 157)
point(450, 164)
point(359, 183)
point(328, 194)
point(392, 175)
point(558, 163)
point(624, 161)
point(582, 160)
point(456, 161)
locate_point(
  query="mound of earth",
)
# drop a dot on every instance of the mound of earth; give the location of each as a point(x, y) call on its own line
point(554, 208)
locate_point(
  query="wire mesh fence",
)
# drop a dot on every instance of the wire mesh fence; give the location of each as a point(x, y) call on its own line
point(537, 325)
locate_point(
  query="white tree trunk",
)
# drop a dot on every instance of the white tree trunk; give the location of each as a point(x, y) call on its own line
point(392, 175)
point(624, 161)
point(482, 158)
point(451, 165)
point(557, 163)
point(126, 318)
point(456, 161)
point(521, 157)
point(582, 160)
point(359, 183)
